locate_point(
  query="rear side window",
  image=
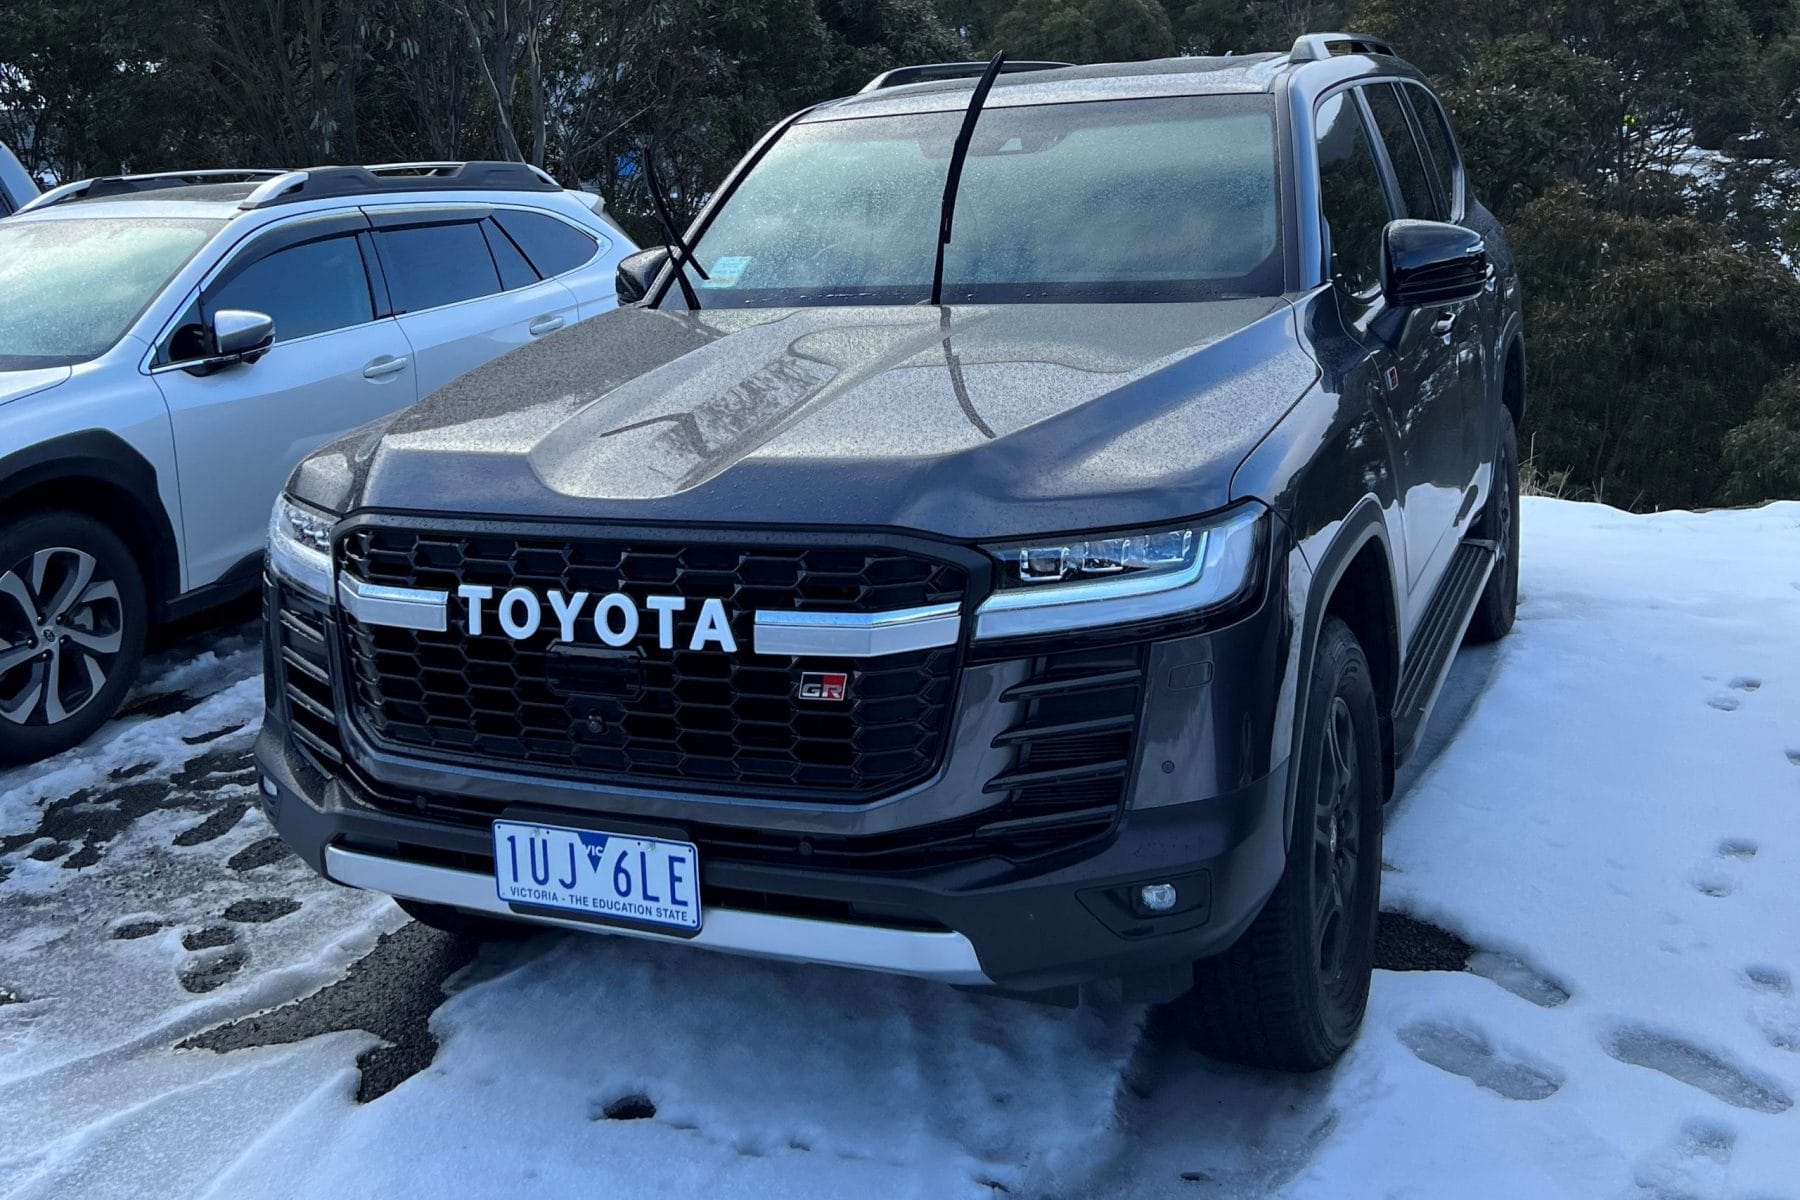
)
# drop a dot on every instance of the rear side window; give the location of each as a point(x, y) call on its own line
point(515, 272)
point(432, 265)
point(311, 288)
point(553, 246)
point(1403, 152)
point(1438, 146)
point(1350, 193)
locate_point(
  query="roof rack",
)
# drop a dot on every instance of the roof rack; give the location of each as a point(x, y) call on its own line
point(1313, 47)
point(102, 186)
point(930, 72)
point(321, 183)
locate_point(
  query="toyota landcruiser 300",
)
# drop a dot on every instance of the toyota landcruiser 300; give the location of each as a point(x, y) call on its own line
point(1011, 539)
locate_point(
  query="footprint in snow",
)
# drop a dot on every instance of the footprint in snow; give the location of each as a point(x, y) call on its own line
point(133, 926)
point(1724, 703)
point(1687, 1063)
point(1714, 881)
point(634, 1106)
point(1701, 1138)
point(1719, 877)
point(1765, 978)
point(1519, 977)
point(1745, 683)
point(1793, 756)
point(1693, 1167)
point(262, 910)
point(214, 958)
point(1467, 1052)
point(1776, 1013)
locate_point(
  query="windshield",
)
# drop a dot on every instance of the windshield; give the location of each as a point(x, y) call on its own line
point(69, 288)
point(1170, 199)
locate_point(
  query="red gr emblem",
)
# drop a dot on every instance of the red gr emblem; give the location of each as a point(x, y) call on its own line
point(823, 687)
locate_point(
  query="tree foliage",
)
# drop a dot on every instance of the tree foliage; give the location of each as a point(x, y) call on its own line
point(1644, 154)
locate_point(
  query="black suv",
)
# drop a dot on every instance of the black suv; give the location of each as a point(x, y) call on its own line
point(1012, 541)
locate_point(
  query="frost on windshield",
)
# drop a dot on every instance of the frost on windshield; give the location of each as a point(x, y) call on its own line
point(70, 287)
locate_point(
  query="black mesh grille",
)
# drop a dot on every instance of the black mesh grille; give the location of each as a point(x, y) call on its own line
point(1077, 721)
point(703, 717)
point(304, 667)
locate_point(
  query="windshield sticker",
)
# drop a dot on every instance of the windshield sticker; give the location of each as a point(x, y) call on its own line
point(726, 271)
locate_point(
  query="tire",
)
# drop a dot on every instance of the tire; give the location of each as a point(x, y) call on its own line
point(477, 926)
point(1499, 601)
point(1291, 992)
point(73, 616)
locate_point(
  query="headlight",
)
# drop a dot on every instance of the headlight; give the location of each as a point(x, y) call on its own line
point(300, 545)
point(1054, 585)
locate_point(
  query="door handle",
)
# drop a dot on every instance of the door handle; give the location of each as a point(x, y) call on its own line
point(381, 368)
point(543, 325)
point(1445, 325)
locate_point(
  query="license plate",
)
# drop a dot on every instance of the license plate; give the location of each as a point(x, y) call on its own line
point(612, 876)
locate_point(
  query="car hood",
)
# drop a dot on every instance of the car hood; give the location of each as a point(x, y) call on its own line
point(15, 385)
point(968, 422)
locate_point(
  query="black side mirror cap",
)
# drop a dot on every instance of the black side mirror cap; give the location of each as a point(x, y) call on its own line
point(637, 272)
point(1432, 262)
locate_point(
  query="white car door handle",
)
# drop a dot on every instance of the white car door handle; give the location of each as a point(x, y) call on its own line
point(543, 325)
point(381, 368)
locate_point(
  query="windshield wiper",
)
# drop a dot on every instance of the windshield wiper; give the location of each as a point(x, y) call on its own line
point(958, 153)
point(679, 254)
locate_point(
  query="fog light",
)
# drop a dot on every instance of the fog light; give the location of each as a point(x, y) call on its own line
point(268, 786)
point(1157, 897)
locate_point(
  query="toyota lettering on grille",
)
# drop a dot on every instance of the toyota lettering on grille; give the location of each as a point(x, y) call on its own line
point(614, 617)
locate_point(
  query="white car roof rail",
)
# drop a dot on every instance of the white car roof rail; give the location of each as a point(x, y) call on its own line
point(102, 186)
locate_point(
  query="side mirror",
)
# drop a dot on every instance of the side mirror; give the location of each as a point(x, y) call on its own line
point(236, 335)
point(1431, 262)
point(637, 272)
point(242, 335)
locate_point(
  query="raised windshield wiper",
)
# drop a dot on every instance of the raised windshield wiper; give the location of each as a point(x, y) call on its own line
point(679, 254)
point(958, 153)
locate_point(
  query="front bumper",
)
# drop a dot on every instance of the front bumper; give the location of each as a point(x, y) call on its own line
point(1049, 925)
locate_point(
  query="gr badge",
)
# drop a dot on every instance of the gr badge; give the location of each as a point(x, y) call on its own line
point(823, 687)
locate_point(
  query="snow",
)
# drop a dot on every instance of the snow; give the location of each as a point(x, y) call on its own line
point(1609, 813)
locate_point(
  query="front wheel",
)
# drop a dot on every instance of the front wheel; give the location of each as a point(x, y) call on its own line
point(1291, 992)
point(72, 622)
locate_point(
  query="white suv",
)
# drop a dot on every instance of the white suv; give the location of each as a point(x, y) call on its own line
point(171, 345)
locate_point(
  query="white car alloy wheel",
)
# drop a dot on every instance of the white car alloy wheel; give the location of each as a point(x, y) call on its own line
point(62, 627)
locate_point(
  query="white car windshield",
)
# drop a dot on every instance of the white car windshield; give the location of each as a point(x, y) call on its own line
point(1166, 199)
point(70, 287)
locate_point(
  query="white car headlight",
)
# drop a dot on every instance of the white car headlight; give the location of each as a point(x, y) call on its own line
point(300, 545)
point(1056, 585)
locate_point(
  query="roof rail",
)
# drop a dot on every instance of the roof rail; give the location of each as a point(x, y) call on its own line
point(443, 169)
point(102, 186)
point(1312, 47)
point(321, 183)
point(928, 72)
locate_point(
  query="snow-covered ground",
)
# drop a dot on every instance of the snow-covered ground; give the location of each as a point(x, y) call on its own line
point(1610, 819)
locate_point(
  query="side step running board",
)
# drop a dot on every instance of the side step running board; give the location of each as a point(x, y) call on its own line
point(1439, 634)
